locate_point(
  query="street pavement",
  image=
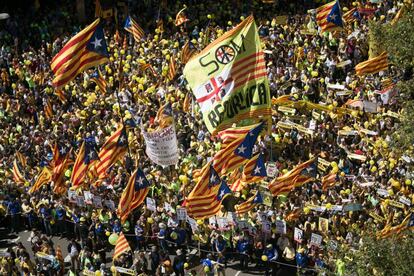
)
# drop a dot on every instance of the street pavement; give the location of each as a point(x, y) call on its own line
point(7, 240)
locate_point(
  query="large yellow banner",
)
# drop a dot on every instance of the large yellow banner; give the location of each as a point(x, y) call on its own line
point(229, 79)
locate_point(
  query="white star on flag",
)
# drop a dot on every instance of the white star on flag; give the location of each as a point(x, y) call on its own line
point(333, 16)
point(242, 149)
point(212, 178)
point(122, 139)
point(90, 155)
point(221, 194)
point(140, 181)
point(257, 170)
point(96, 43)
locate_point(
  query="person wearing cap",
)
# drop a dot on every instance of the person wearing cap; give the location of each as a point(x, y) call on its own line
point(162, 236)
point(271, 253)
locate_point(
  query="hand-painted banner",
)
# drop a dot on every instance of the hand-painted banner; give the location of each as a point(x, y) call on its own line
point(229, 78)
point(161, 146)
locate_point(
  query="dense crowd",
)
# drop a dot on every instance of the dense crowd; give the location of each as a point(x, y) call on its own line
point(300, 62)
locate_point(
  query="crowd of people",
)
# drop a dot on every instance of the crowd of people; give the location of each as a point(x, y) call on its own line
point(301, 62)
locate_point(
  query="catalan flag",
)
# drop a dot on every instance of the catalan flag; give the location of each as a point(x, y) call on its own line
point(329, 181)
point(187, 102)
point(132, 27)
point(17, 174)
point(243, 151)
point(254, 170)
point(21, 158)
point(113, 150)
point(160, 25)
point(144, 67)
point(230, 134)
point(234, 181)
point(205, 206)
point(249, 204)
point(48, 109)
point(329, 17)
point(60, 165)
point(180, 18)
point(164, 115)
point(85, 50)
point(61, 95)
point(187, 52)
point(85, 157)
point(133, 194)
point(351, 16)
point(172, 69)
point(100, 81)
point(407, 223)
point(208, 179)
point(43, 178)
point(121, 247)
point(372, 65)
point(300, 175)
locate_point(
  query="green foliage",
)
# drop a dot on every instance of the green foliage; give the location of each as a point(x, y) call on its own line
point(398, 41)
point(391, 256)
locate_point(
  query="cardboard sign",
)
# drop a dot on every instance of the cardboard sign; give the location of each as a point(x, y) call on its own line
point(88, 273)
point(181, 214)
point(212, 221)
point(125, 270)
point(383, 192)
point(97, 201)
point(352, 207)
point(298, 235)
point(316, 240)
point(287, 110)
point(376, 217)
point(222, 222)
point(332, 245)
point(316, 115)
point(168, 207)
point(151, 205)
point(88, 197)
point(280, 226)
point(242, 224)
point(271, 169)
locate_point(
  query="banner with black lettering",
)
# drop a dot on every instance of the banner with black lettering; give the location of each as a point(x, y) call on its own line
point(161, 146)
point(229, 78)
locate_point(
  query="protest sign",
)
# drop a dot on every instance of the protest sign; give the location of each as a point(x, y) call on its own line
point(298, 235)
point(151, 205)
point(316, 240)
point(161, 146)
point(88, 197)
point(97, 201)
point(181, 214)
point(281, 226)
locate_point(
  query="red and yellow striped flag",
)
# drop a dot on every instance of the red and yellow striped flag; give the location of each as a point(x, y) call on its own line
point(187, 52)
point(113, 150)
point(83, 161)
point(254, 170)
point(372, 65)
point(164, 116)
point(58, 174)
point(187, 102)
point(61, 95)
point(180, 18)
point(249, 204)
point(133, 195)
point(43, 178)
point(48, 109)
point(132, 27)
point(17, 174)
point(329, 181)
point(121, 247)
point(144, 67)
point(21, 158)
point(329, 17)
point(172, 71)
point(300, 175)
point(85, 50)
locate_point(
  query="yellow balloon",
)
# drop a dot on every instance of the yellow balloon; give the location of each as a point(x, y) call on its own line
point(122, 52)
point(150, 220)
point(306, 210)
point(328, 206)
point(264, 258)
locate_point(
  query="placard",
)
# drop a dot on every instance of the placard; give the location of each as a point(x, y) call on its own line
point(97, 201)
point(222, 222)
point(193, 224)
point(168, 207)
point(242, 224)
point(332, 245)
point(88, 197)
point(323, 225)
point(80, 201)
point(280, 226)
point(404, 200)
point(396, 204)
point(352, 207)
point(266, 227)
point(151, 205)
point(125, 270)
point(72, 196)
point(109, 204)
point(298, 235)
point(271, 169)
point(161, 146)
point(181, 214)
point(376, 217)
point(316, 240)
point(212, 221)
point(383, 192)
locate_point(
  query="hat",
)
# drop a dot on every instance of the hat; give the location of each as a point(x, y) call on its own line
point(179, 252)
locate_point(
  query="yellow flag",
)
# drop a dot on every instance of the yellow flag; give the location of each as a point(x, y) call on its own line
point(229, 78)
point(44, 177)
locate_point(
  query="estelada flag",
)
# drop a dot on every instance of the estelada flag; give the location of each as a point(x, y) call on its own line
point(229, 79)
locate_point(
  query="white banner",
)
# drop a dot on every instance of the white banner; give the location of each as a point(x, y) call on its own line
point(161, 146)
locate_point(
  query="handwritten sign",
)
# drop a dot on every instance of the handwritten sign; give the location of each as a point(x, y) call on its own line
point(80, 201)
point(271, 169)
point(88, 197)
point(161, 146)
point(125, 270)
point(72, 196)
point(376, 217)
point(280, 226)
point(405, 200)
point(396, 204)
point(97, 201)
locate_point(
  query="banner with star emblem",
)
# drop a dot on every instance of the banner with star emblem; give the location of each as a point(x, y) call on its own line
point(161, 146)
point(229, 78)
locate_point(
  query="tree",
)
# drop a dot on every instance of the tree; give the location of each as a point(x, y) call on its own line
point(389, 256)
point(398, 40)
